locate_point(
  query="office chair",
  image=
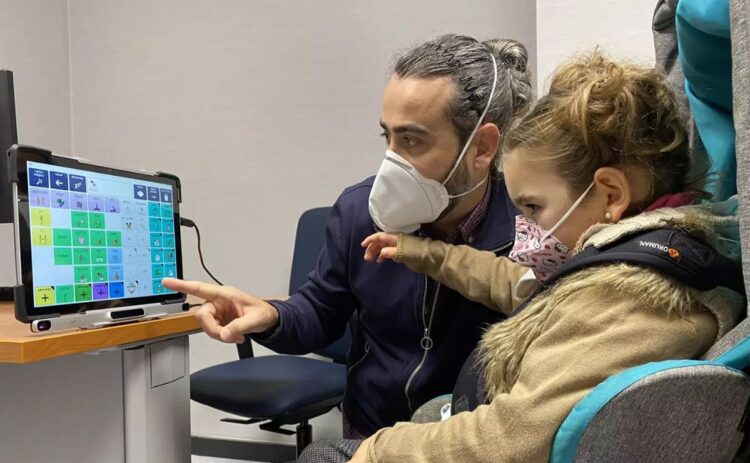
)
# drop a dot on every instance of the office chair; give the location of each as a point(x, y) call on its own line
point(281, 390)
point(684, 410)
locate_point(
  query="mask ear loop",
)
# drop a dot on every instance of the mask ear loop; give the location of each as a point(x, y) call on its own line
point(474, 132)
point(567, 214)
point(470, 191)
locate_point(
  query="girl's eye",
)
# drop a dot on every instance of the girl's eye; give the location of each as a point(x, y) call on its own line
point(533, 208)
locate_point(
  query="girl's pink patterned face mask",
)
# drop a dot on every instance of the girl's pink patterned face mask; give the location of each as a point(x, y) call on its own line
point(539, 249)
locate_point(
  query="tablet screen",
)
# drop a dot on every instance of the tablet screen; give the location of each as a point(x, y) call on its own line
point(97, 237)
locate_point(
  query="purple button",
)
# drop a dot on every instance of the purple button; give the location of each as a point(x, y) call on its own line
point(96, 203)
point(38, 198)
point(101, 291)
point(113, 205)
point(153, 194)
point(78, 202)
point(60, 200)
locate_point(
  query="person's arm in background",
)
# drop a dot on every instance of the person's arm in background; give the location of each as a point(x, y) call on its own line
point(480, 276)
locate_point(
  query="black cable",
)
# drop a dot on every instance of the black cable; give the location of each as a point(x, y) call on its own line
point(189, 223)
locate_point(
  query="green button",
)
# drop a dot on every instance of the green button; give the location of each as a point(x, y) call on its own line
point(81, 238)
point(61, 237)
point(98, 238)
point(65, 294)
point(96, 219)
point(63, 256)
point(114, 239)
point(99, 273)
point(82, 274)
point(82, 256)
point(83, 293)
point(99, 256)
point(79, 219)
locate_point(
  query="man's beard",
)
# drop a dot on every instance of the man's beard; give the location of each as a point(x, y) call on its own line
point(459, 183)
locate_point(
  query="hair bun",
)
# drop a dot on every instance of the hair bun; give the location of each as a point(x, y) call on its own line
point(602, 100)
point(511, 53)
point(513, 57)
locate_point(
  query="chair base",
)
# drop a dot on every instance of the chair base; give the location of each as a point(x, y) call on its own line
point(304, 436)
point(303, 431)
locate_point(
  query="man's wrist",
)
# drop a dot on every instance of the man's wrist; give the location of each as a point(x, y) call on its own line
point(274, 316)
point(273, 321)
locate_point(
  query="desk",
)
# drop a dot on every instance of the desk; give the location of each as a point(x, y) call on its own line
point(119, 394)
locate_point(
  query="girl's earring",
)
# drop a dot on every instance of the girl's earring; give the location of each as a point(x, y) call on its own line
point(608, 217)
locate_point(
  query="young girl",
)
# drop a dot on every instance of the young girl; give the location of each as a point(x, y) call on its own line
point(601, 157)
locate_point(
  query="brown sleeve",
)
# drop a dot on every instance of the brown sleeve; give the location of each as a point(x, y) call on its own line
point(584, 342)
point(480, 276)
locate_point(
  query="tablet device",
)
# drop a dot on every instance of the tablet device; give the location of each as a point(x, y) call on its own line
point(92, 242)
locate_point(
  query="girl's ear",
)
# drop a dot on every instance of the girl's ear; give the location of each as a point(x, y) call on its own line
point(613, 183)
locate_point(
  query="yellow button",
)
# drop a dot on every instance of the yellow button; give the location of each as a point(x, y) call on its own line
point(41, 236)
point(44, 295)
point(41, 217)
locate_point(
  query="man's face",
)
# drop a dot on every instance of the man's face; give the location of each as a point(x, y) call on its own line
point(416, 126)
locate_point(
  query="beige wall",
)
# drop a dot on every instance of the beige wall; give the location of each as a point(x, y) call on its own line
point(34, 45)
point(265, 108)
point(621, 27)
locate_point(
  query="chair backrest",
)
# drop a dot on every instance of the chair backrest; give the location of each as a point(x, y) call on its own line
point(671, 411)
point(311, 237)
point(686, 410)
point(308, 243)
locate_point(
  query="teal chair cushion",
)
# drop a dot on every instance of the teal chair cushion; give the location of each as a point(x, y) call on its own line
point(703, 40)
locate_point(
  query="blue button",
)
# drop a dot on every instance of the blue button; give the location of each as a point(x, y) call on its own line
point(38, 178)
point(153, 193)
point(58, 180)
point(115, 274)
point(170, 270)
point(166, 196)
point(167, 211)
point(139, 192)
point(77, 183)
point(154, 210)
point(115, 255)
point(116, 290)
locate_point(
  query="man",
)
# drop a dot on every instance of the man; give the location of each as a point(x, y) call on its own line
point(444, 110)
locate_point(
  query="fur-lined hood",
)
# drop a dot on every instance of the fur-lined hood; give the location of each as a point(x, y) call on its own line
point(504, 344)
point(715, 223)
